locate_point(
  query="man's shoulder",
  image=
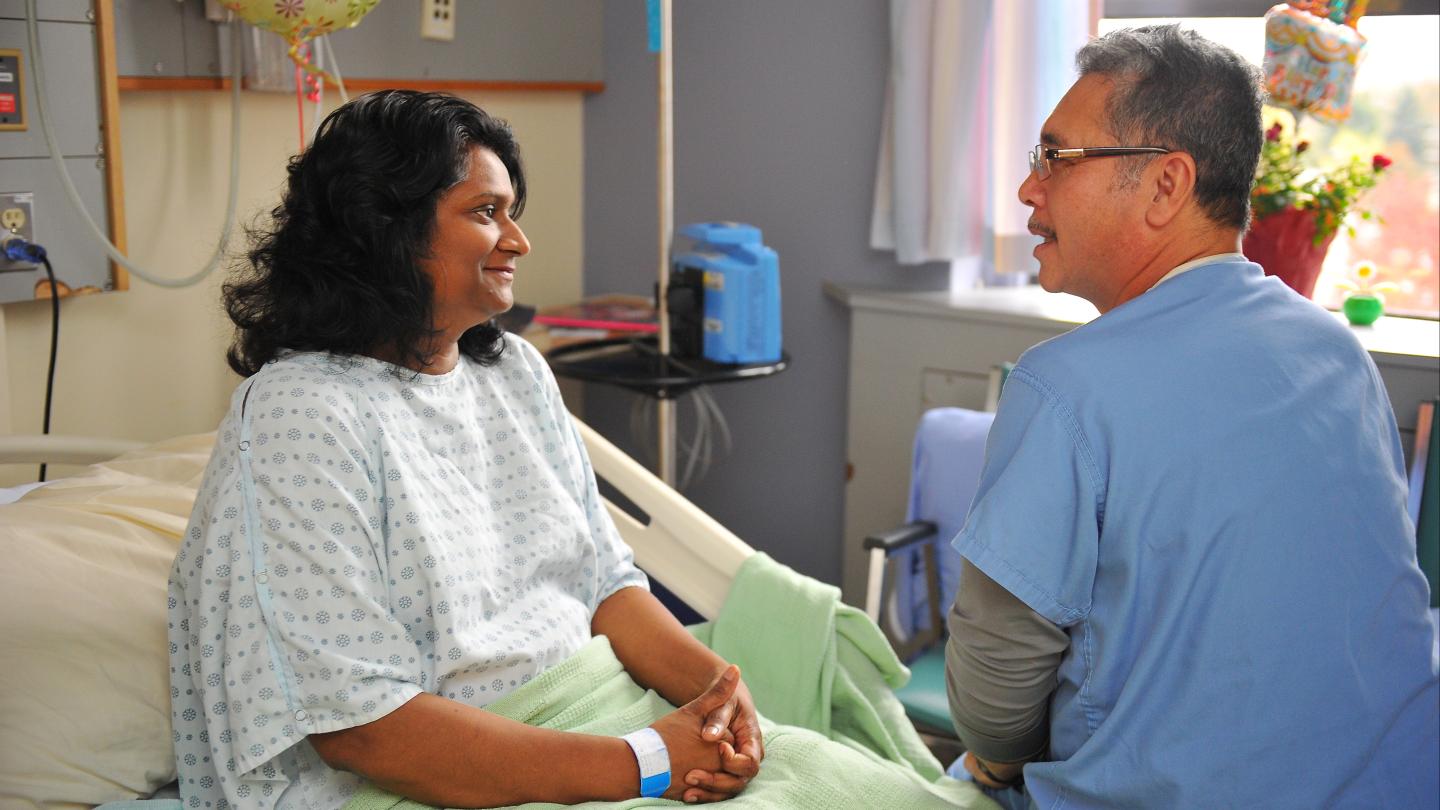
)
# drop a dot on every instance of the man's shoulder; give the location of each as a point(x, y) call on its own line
point(1060, 361)
point(1205, 313)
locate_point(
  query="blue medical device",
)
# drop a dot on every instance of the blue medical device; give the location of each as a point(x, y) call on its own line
point(741, 291)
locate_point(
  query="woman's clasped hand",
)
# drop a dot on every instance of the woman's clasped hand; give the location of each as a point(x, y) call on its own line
point(714, 742)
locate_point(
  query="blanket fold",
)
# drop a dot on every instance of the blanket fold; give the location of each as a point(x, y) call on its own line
point(821, 674)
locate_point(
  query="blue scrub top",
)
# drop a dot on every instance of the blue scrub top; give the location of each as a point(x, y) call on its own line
point(1205, 487)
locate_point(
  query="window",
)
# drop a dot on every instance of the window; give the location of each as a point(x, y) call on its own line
point(1395, 112)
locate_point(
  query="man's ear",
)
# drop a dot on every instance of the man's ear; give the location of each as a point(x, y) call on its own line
point(1172, 185)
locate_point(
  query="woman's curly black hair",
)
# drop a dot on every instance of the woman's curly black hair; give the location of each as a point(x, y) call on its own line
point(338, 268)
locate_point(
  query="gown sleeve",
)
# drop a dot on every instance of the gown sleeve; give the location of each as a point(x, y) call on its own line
point(287, 627)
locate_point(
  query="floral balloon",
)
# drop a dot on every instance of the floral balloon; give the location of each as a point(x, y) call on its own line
point(298, 21)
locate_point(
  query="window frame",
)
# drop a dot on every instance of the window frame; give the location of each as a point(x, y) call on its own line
point(1121, 9)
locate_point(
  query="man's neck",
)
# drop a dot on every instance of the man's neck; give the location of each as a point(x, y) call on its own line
point(1169, 257)
point(1213, 258)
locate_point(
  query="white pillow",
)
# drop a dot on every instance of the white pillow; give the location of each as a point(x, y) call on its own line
point(84, 684)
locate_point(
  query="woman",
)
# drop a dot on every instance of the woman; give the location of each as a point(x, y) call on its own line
point(399, 523)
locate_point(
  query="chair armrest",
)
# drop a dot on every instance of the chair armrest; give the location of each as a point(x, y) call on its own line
point(879, 546)
point(900, 536)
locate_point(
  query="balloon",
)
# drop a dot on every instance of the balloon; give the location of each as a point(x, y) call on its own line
point(300, 20)
point(1310, 61)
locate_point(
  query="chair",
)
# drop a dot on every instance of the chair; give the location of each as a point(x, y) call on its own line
point(914, 573)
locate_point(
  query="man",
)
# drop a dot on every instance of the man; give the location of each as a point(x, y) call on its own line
point(1189, 576)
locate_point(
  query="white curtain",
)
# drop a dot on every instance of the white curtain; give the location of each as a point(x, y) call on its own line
point(971, 81)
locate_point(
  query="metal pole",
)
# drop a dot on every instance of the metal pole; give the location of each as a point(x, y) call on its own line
point(665, 407)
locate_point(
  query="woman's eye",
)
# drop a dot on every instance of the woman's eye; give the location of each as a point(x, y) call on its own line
point(486, 211)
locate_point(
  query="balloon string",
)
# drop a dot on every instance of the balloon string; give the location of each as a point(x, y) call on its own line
point(302, 62)
point(300, 105)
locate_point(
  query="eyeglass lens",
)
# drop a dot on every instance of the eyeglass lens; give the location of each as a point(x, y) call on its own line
point(1038, 163)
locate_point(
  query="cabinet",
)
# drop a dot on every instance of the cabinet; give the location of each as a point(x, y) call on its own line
point(913, 351)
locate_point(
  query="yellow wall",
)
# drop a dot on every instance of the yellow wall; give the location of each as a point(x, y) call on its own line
point(149, 363)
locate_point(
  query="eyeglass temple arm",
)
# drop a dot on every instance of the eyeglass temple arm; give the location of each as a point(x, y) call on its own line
point(1091, 151)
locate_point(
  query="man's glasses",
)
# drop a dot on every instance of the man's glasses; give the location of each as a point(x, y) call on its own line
point(1041, 155)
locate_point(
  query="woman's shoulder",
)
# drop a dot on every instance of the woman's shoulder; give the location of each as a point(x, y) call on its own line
point(520, 360)
point(316, 380)
point(521, 369)
point(523, 350)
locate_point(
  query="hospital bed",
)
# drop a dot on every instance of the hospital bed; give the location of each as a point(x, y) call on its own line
point(84, 690)
point(84, 686)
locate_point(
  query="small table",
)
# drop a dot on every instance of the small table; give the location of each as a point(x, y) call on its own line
point(636, 363)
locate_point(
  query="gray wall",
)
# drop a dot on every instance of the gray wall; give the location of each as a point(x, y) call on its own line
point(777, 122)
point(495, 40)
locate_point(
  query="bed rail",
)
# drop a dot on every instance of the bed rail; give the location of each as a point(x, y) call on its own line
point(61, 449)
point(681, 546)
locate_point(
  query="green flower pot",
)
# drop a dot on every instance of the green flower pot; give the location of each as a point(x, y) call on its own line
point(1363, 309)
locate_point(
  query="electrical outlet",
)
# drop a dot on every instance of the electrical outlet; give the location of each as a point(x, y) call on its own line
point(217, 13)
point(16, 219)
point(437, 20)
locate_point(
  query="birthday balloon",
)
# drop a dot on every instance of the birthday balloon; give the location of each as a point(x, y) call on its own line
point(300, 20)
point(1310, 61)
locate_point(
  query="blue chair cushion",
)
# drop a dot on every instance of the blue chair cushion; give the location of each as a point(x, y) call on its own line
point(924, 697)
point(949, 452)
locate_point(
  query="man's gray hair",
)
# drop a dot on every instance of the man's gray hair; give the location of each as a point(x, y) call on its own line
point(1175, 89)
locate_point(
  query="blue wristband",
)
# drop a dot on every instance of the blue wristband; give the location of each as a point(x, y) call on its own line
point(653, 759)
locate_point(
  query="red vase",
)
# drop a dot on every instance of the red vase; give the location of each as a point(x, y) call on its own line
point(1284, 244)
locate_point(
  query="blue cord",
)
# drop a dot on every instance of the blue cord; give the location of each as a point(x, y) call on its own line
point(18, 250)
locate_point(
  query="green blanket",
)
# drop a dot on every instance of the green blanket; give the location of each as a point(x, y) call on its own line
point(821, 675)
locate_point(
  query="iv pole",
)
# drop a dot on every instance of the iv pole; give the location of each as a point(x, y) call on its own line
point(665, 406)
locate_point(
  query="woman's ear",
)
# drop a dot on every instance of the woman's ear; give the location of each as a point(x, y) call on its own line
point(1172, 186)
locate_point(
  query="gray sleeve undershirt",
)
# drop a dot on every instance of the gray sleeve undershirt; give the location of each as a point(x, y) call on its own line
point(1000, 665)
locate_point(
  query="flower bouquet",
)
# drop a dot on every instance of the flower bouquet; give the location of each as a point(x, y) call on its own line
point(1298, 210)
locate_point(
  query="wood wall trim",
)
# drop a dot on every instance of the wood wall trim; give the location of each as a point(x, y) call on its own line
point(129, 83)
point(150, 83)
point(468, 84)
point(110, 134)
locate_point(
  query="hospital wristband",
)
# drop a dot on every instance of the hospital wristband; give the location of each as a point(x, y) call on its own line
point(654, 761)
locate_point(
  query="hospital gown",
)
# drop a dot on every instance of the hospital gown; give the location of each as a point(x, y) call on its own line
point(364, 534)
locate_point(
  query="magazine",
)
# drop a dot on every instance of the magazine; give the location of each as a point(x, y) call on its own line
point(609, 313)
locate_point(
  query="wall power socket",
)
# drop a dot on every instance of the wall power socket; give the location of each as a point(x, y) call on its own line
point(16, 219)
point(437, 20)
